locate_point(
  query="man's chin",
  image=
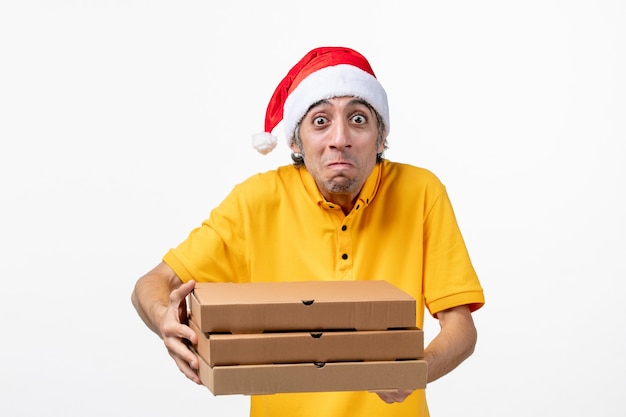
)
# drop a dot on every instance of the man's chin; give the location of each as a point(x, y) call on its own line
point(341, 185)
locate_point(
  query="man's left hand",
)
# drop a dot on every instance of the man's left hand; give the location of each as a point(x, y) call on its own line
point(391, 396)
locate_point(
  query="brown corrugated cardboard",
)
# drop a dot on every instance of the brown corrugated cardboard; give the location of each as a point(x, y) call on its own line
point(310, 305)
point(309, 377)
point(321, 346)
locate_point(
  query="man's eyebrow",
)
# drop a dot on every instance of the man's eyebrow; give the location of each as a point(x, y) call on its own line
point(355, 100)
point(358, 100)
point(317, 103)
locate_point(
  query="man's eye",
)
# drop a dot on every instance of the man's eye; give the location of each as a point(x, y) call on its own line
point(359, 119)
point(319, 121)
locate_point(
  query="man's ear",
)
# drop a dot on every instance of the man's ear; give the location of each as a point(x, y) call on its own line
point(381, 145)
point(294, 147)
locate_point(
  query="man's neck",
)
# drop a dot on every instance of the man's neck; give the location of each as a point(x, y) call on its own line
point(345, 200)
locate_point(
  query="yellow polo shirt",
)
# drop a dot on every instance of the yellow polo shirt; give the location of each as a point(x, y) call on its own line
point(276, 226)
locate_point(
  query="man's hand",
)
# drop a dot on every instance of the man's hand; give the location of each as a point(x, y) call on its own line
point(390, 396)
point(174, 331)
point(159, 298)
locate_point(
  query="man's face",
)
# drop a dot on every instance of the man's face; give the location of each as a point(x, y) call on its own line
point(339, 146)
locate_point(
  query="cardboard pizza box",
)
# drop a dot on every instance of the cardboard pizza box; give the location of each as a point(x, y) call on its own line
point(308, 305)
point(314, 377)
point(315, 346)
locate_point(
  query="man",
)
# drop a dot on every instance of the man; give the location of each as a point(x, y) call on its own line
point(340, 212)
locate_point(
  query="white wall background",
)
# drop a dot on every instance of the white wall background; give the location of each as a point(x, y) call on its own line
point(122, 123)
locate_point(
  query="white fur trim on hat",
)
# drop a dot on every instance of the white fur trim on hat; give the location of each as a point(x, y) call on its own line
point(335, 81)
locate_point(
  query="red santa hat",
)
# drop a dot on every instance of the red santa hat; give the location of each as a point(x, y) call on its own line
point(322, 73)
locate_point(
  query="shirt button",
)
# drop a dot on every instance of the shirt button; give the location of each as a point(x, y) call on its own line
point(344, 256)
point(344, 227)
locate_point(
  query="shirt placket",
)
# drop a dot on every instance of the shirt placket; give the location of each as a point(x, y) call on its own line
point(345, 240)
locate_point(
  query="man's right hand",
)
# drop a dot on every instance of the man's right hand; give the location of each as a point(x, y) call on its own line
point(174, 332)
point(160, 300)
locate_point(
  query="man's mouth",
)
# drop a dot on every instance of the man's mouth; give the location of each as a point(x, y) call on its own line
point(339, 164)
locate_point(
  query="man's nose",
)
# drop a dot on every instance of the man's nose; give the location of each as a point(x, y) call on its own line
point(340, 135)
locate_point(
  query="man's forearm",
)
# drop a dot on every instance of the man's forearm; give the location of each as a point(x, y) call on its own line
point(150, 296)
point(454, 343)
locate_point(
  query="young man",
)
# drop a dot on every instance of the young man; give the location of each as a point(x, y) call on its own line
point(340, 212)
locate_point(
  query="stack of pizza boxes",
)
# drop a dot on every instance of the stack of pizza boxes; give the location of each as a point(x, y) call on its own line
point(265, 338)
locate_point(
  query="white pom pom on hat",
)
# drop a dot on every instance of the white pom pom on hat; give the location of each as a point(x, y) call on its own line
point(323, 73)
point(264, 142)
